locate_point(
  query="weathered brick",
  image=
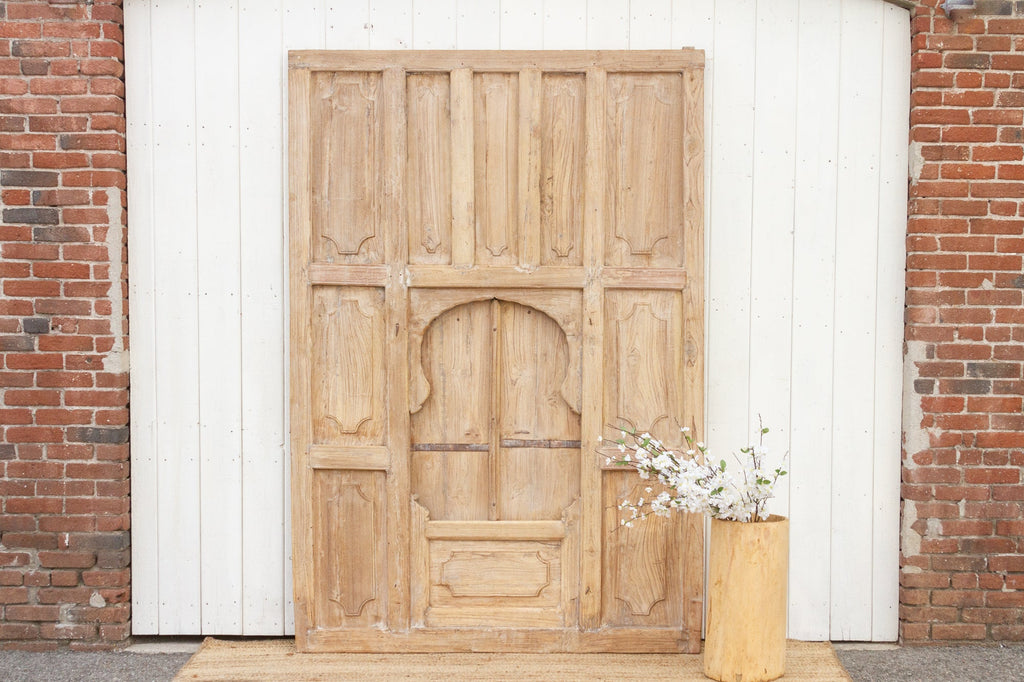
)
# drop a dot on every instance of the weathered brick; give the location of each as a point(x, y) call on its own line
point(31, 216)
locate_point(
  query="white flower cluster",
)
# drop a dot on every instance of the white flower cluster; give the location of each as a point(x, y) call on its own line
point(690, 482)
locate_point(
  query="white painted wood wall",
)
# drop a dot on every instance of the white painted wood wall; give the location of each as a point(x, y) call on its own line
point(807, 118)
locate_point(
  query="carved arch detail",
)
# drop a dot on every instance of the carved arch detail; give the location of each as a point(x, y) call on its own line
point(563, 307)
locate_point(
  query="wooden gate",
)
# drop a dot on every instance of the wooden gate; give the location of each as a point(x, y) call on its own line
point(494, 255)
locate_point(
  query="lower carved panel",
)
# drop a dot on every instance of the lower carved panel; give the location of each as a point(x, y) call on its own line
point(642, 564)
point(512, 583)
point(348, 537)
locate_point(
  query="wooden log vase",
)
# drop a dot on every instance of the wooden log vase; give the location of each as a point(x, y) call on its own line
point(745, 638)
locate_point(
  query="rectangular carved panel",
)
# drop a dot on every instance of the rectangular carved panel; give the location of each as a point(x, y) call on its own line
point(644, 225)
point(346, 167)
point(429, 169)
point(348, 384)
point(504, 577)
point(563, 152)
point(496, 152)
point(644, 360)
point(642, 564)
point(349, 547)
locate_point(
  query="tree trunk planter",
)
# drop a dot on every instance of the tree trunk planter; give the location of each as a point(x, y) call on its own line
point(746, 610)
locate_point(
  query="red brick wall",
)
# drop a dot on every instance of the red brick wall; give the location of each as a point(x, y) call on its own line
point(963, 510)
point(64, 546)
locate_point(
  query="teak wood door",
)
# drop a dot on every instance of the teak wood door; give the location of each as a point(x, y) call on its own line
point(494, 256)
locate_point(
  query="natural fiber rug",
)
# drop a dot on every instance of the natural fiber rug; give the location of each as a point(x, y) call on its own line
point(276, 660)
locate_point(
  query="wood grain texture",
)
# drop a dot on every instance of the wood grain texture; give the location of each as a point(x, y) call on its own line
point(496, 163)
point(429, 180)
point(300, 336)
point(562, 158)
point(349, 557)
point(747, 578)
point(348, 366)
point(346, 167)
point(463, 159)
point(645, 170)
point(499, 62)
point(592, 365)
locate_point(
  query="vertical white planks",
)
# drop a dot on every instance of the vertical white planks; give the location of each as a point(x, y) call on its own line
point(650, 24)
point(891, 255)
point(565, 25)
point(477, 24)
point(814, 261)
point(434, 24)
point(177, 325)
point(805, 278)
point(771, 236)
point(347, 24)
point(217, 238)
point(860, 106)
point(522, 25)
point(729, 232)
point(142, 288)
point(262, 391)
point(390, 25)
point(607, 24)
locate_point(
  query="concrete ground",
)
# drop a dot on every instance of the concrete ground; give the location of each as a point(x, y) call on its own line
point(158, 661)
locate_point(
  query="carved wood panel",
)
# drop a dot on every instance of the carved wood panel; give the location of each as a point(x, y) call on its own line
point(496, 138)
point(429, 168)
point(563, 153)
point(494, 256)
point(347, 168)
point(348, 360)
point(349, 558)
point(645, 170)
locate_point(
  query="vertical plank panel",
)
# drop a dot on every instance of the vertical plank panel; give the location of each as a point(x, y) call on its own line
point(177, 325)
point(463, 209)
point(434, 24)
point(478, 24)
point(391, 24)
point(347, 25)
point(142, 294)
point(530, 94)
point(891, 277)
point(299, 218)
point(650, 24)
point(729, 238)
point(429, 168)
point(693, 333)
point(593, 347)
point(563, 155)
point(496, 156)
point(607, 24)
point(860, 73)
point(264, 481)
point(565, 25)
point(522, 25)
point(397, 336)
point(218, 236)
point(693, 25)
point(814, 260)
point(771, 277)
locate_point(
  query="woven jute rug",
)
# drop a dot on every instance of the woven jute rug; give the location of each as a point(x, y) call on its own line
point(277, 660)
